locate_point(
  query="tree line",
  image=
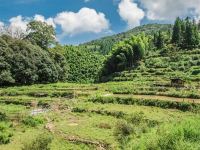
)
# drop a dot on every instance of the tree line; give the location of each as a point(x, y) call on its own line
point(128, 53)
point(36, 57)
point(184, 35)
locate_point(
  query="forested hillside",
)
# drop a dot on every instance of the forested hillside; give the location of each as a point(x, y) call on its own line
point(104, 45)
point(36, 57)
point(84, 65)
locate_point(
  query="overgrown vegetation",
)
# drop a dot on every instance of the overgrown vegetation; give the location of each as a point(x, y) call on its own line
point(42, 142)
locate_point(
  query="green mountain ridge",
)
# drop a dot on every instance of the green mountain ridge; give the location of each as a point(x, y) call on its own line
point(105, 44)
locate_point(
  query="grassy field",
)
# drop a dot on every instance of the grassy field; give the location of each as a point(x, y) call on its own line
point(98, 116)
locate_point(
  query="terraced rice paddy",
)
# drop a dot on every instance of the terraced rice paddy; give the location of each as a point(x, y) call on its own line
point(95, 116)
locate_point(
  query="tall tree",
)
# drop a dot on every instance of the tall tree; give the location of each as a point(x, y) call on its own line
point(189, 39)
point(176, 35)
point(160, 40)
point(41, 33)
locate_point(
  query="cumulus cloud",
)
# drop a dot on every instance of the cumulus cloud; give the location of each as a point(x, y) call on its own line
point(18, 22)
point(85, 20)
point(130, 12)
point(170, 9)
point(41, 18)
point(18, 26)
point(1, 25)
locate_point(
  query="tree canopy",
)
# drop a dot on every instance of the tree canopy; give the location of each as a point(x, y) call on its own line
point(25, 63)
point(41, 33)
point(126, 54)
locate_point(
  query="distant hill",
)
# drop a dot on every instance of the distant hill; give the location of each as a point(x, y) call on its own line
point(104, 45)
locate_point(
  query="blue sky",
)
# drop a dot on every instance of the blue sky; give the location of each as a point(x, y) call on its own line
point(78, 21)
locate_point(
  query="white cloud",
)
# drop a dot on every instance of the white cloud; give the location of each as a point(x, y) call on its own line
point(1, 28)
point(18, 22)
point(18, 26)
point(1, 25)
point(170, 9)
point(41, 18)
point(130, 12)
point(86, 20)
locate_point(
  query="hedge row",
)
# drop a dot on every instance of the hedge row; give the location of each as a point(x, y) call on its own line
point(183, 106)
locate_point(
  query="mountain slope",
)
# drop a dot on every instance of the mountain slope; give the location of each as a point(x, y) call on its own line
point(104, 45)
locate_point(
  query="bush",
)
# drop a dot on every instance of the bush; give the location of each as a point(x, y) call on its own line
point(5, 135)
point(123, 130)
point(79, 110)
point(4, 138)
point(32, 122)
point(136, 118)
point(184, 106)
point(3, 116)
point(42, 142)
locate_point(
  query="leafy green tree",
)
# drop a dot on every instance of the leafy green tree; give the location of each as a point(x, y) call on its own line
point(126, 54)
point(41, 33)
point(57, 54)
point(24, 63)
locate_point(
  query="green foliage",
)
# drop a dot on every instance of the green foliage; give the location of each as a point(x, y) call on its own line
point(123, 130)
point(60, 63)
point(24, 63)
point(186, 34)
point(159, 40)
point(184, 106)
point(126, 54)
point(179, 136)
point(5, 134)
point(32, 121)
point(41, 33)
point(177, 32)
point(3, 116)
point(84, 65)
point(106, 44)
point(42, 142)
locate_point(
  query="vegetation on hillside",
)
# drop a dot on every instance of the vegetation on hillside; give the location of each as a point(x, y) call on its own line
point(126, 54)
point(169, 46)
point(105, 45)
point(84, 65)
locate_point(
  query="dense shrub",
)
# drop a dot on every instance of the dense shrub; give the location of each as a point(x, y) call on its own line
point(136, 118)
point(5, 134)
point(123, 130)
point(32, 121)
point(3, 116)
point(42, 142)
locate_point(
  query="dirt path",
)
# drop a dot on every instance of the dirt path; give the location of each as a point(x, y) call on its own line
point(155, 97)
